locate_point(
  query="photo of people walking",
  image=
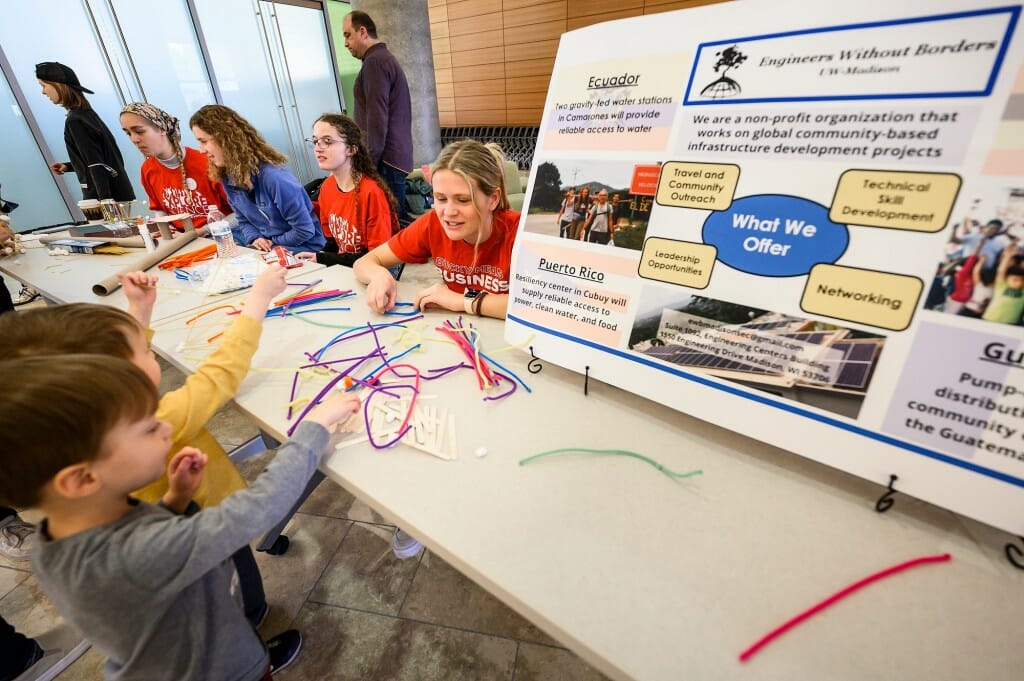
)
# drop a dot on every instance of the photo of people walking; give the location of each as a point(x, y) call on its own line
point(589, 202)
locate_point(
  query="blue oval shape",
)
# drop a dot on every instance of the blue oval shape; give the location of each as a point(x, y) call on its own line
point(775, 235)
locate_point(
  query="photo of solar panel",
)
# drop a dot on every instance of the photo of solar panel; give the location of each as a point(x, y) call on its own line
point(677, 354)
point(792, 357)
point(857, 363)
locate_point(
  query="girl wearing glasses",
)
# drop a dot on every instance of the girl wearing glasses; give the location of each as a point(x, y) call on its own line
point(357, 211)
point(175, 177)
point(272, 207)
point(468, 235)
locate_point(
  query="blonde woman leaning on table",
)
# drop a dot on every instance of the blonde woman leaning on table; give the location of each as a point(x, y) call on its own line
point(468, 235)
point(175, 177)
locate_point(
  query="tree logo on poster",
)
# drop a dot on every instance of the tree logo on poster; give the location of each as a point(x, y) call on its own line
point(729, 58)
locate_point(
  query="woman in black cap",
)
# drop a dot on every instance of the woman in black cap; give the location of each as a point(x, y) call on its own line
point(95, 157)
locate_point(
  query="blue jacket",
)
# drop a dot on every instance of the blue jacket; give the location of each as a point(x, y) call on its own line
point(278, 209)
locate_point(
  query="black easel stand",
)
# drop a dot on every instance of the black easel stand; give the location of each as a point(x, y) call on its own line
point(886, 501)
point(1014, 555)
point(534, 365)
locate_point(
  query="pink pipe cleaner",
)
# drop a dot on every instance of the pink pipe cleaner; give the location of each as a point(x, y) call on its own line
point(485, 378)
point(778, 631)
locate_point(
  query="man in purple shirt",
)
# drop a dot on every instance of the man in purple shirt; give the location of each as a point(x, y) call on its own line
point(383, 109)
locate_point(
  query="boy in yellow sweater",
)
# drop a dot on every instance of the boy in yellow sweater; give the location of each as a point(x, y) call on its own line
point(100, 329)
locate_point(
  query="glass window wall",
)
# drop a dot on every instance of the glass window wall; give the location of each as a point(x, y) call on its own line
point(271, 61)
point(34, 33)
point(274, 67)
point(23, 179)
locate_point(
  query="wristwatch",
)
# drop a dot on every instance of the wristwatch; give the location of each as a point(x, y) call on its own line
point(468, 298)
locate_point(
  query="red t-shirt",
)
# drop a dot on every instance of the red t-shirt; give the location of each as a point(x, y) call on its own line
point(964, 278)
point(425, 239)
point(165, 191)
point(355, 233)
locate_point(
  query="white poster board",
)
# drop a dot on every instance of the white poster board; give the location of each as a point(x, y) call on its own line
point(814, 214)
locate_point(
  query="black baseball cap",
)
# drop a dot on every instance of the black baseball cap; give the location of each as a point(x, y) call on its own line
point(55, 72)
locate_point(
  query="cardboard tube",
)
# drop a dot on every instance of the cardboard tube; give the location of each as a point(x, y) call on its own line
point(126, 242)
point(166, 248)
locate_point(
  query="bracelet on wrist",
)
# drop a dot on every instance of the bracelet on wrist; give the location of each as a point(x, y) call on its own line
point(477, 302)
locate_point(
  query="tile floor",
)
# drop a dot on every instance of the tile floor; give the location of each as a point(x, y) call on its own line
point(365, 615)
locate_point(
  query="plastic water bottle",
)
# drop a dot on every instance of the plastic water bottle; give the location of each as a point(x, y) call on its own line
point(213, 213)
point(220, 230)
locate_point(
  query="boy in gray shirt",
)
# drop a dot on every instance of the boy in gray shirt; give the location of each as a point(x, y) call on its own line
point(146, 584)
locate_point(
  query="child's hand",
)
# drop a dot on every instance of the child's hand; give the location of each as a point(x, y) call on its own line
point(269, 284)
point(185, 471)
point(306, 255)
point(140, 290)
point(262, 244)
point(184, 474)
point(139, 287)
point(334, 411)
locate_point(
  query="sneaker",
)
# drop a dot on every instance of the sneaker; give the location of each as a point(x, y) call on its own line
point(26, 295)
point(34, 656)
point(60, 647)
point(283, 649)
point(16, 538)
point(404, 546)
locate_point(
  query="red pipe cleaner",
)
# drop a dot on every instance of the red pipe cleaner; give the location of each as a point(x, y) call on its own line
point(471, 355)
point(775, 633)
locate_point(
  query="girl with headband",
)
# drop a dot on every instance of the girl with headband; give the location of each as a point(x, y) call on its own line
point(176, 178)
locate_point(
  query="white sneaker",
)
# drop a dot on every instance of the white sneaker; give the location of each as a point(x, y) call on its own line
point(61, 646)
point(404, 546)
point(26, 295)
point(16, 538)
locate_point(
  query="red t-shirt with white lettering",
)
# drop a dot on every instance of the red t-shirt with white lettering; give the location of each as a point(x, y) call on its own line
point(425, 239)
point(166, 193)
point(355, 233)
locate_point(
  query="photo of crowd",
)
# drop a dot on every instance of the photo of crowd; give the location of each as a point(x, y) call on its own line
point(982, 273)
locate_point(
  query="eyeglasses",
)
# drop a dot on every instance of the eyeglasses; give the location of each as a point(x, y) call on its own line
point(323, 142)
